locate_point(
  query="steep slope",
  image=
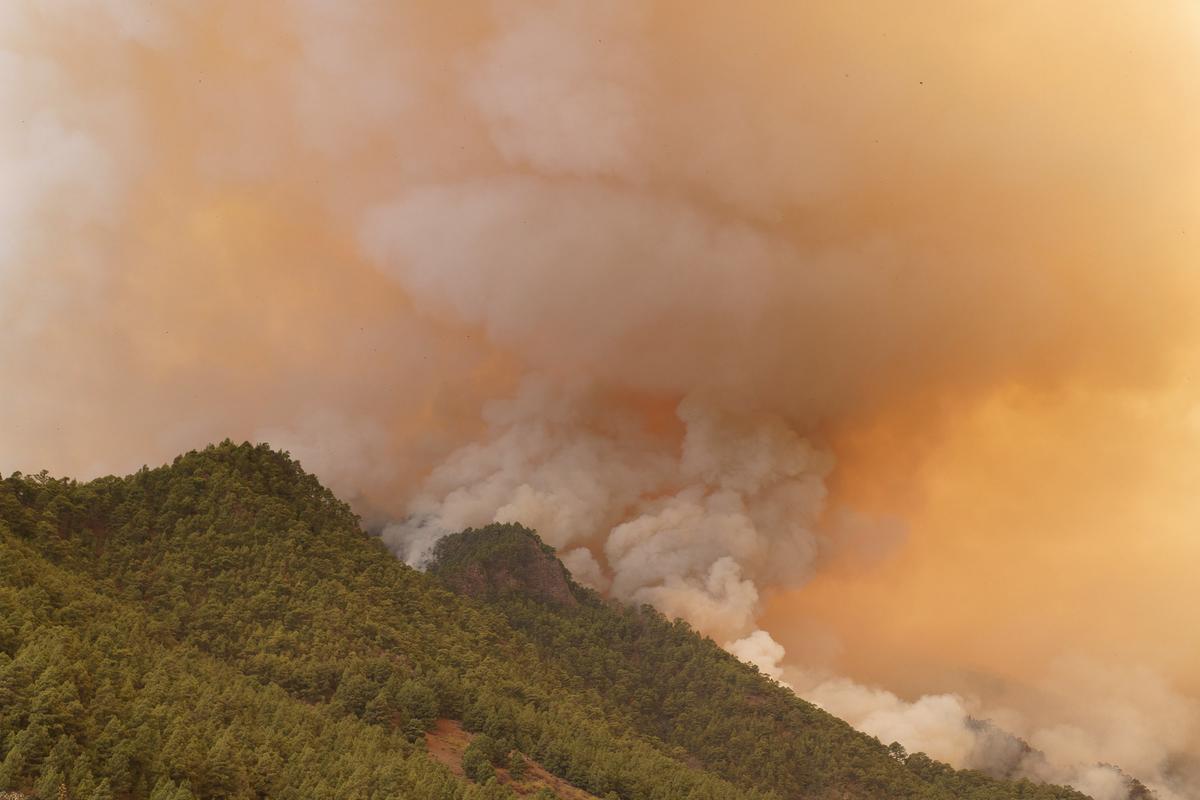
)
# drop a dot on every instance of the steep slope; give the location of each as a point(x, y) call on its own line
point(221, 627)
point(660, 677)
point(232, 630)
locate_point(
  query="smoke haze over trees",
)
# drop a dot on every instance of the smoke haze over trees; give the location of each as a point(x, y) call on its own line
point(221, 627)
point(857, 336)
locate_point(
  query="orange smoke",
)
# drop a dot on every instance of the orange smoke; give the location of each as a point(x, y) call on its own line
point(724, 302)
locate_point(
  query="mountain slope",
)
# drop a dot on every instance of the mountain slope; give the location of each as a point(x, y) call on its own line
point(658, 676)
point(221, 627)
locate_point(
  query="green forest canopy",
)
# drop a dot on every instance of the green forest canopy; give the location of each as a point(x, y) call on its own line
point(222, 628)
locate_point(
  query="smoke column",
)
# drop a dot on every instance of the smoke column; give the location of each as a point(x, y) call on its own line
point(861, 337)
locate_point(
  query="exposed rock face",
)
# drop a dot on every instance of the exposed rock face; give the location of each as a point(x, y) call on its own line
point(503, 559)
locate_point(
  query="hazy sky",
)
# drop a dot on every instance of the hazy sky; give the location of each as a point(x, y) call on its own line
point(865, 331)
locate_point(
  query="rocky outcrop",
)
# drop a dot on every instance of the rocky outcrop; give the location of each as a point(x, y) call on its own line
point(500, 560)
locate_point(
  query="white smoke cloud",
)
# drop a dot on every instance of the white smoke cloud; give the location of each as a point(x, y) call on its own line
point(555, 460)
point(687, 527)
point(1126, 722)
point(586, 569)
point(760, 650)
point(935, 725)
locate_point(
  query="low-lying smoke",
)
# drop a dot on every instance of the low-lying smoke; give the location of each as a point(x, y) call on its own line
point(1144, 728)
point(691, 291)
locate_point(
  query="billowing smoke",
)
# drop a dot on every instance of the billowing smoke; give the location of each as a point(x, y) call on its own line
point(1079, 709)
point(692, 527)
point(705, 296)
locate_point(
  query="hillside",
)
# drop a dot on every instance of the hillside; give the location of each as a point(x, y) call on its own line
point(221, 627)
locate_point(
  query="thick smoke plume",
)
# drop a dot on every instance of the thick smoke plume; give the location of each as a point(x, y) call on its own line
point(692, 532)
point(713, 299)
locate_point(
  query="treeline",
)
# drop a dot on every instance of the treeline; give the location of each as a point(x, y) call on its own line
point(222, 628)
point(660, 677)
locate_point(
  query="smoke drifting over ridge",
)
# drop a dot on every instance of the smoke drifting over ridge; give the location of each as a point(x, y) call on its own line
point(687, 290)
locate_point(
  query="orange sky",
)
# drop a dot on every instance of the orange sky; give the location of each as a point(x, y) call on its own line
point(954, 245)
point(1040, 526)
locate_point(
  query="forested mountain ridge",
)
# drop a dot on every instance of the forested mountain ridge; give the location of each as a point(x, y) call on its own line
point(222, 627)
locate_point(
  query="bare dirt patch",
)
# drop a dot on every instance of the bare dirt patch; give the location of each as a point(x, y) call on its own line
point(448, 741)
